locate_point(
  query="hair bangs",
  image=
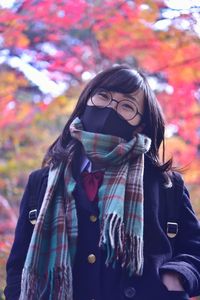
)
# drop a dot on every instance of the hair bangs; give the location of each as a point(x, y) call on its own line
point(125, 81)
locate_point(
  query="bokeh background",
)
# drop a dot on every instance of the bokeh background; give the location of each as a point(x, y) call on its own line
point(50, 49)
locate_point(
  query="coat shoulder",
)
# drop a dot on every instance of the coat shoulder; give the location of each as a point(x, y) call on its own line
point(39, 174)
point(177, 177)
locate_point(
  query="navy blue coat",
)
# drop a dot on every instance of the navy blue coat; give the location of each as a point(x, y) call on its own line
point(98, 282)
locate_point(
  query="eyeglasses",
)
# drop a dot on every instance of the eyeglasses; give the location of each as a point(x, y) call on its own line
point(126, 108)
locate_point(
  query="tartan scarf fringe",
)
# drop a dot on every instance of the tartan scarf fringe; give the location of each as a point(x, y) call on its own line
point(113, 236)
point(57, 284)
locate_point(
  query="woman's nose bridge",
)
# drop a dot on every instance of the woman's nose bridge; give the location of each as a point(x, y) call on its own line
point(113, 103)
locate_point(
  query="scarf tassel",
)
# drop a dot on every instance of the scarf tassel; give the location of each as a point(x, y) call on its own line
point(54, 285)
point(135, 261)
point(120, 245)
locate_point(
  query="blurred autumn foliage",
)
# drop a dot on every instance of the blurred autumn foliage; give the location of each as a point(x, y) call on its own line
point(49, 49)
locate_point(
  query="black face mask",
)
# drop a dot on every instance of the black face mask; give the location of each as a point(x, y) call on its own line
point(106, 121)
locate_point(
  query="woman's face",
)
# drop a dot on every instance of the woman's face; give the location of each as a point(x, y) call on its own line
point(129, 106)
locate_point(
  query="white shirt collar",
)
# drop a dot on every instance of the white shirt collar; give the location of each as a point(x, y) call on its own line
point(86, 164)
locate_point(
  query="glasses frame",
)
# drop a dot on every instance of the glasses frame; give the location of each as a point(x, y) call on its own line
point(113, 99)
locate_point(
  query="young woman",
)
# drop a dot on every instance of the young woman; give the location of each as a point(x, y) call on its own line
point(103, 230)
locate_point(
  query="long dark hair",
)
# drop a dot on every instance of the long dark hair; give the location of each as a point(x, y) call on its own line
point(121, 79)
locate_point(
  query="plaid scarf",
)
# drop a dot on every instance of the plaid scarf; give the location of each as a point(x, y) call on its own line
point(47, 273)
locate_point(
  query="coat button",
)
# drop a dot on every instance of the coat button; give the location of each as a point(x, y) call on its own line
point(93, 218)
point(91, 258)
point(129, 292)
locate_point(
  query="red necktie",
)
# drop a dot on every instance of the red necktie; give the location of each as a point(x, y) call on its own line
point(91, 183)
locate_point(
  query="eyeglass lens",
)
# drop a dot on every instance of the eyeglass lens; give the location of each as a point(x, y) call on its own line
point(126, 108)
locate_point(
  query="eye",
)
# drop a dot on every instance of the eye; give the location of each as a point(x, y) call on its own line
point(128, 106)
point(103, 95)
